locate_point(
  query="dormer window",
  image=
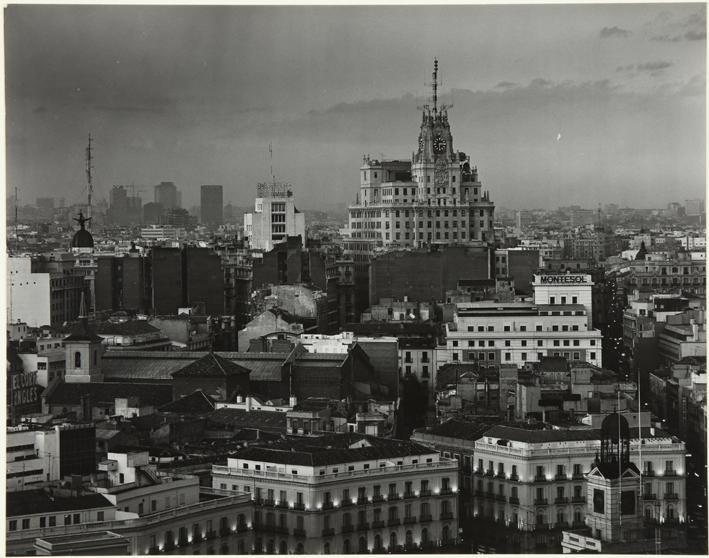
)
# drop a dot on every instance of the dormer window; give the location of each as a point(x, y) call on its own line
point(77, 359)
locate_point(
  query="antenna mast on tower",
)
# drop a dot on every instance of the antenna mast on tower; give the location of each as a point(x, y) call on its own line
point(270, 153)
point(89, 177)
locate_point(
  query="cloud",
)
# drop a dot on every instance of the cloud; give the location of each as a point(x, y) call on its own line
point(668, 29)
point(505, 85)
point(653, 66)
point(614, 32)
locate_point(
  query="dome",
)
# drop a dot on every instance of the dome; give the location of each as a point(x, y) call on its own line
point(82, 237)
point(615, 426)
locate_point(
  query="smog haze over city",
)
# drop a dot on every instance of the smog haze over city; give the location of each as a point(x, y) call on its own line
point(580, 103)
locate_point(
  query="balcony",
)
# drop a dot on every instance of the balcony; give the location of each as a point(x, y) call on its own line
point(500, 498)
point(649, 496)
point(446, 515)
point(224, 532)
point(242, 528)
point(578, 499)
point(489, 473)
point(578, 524)
point(283, 504)
point(393, 521)
point(378, 498)
point(541, 502)
point(408, 495)
point(479, 492)
point(425, 493)
point(671, 496)
point(393, 496)
point(425, 518)
point(327, 505)
point(346, 502)
point(269, 502)
point(300, 533)
point(211, 534)
point(447, 491)
point(514, 500)
point(362, 500)
point(648, 473)
point(670, 473)
point(500, 475)
point(561, 500)
point(514, 477)
point(347, 528)
point(561, 477)
point(328, 532)
point(540, 479)
point(363, 526)
point(299, 506)
point(410, 519)
point(378, 524)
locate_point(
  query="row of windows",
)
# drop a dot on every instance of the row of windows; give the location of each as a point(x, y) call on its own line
point(538, 327)
point(429, 236)
point(523, 342)
point(523, 356)
point(50, 521)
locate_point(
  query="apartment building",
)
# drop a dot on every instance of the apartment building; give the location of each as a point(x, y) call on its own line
point(531, 483)
point(346, 494)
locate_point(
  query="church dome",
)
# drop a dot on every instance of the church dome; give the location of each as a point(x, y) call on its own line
point(615, 426)
point(82, 238)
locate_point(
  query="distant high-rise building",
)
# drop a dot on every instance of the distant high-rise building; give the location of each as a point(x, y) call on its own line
point(275, 217)
point(212, 205)
point(125, 209)
point(167, 195)
point(693, 207)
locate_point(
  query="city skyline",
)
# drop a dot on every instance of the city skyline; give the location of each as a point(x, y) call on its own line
point(587, 104)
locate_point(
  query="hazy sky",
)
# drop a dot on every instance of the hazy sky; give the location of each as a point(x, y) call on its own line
point(194, 95)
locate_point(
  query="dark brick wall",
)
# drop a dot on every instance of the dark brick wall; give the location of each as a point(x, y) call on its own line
point(167, 280)
point(521, 265)
point(205, 279)
point(425, 276)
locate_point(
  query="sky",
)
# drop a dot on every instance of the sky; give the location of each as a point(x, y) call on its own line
point(555, 104)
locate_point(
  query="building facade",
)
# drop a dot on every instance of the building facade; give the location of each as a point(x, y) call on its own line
point(274, 218)
point(212, 205)
point(360, 495)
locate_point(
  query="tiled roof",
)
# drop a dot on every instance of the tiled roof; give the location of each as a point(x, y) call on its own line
point(82, 332)
point(309, 453)
point(209, 366)
point(106, 392)
point(28, 502)
point(455, 428)
point(194, 403)
point(237, 418)
point(130, 327)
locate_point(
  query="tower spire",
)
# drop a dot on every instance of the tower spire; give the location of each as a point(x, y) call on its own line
point(89, 177)
point(434, 84)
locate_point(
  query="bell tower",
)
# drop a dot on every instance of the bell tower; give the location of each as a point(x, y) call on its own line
point(83, 351)
point(613, 485)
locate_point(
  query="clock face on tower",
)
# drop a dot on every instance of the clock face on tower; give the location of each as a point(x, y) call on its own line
point(439, 144)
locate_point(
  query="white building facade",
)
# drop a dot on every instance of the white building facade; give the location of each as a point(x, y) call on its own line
point(275, 217)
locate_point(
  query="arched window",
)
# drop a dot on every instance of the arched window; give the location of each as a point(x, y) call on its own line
point(241, 547)
point(346, 546)
point(424, 535)
point(362, 544)
point(241, 521)
point(77, 359)
point(283, 548)
point(271, 546)
point(377, 542)
point(392, 542)
point(445, 507)
point(409, 539)
point(326, 548)
point(445, 534)
point(299, 549)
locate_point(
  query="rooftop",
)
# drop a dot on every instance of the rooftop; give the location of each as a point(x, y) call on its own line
point(29, 502)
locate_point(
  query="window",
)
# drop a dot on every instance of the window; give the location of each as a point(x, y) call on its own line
point(593, 356)
point(26, 523)
point(13, 525)
point(53, 521)
point(77, 359)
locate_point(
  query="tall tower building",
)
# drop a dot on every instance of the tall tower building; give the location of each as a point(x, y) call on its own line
point(167, 195)
point(212, 205)
point(275, 217)
point(435, 198)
